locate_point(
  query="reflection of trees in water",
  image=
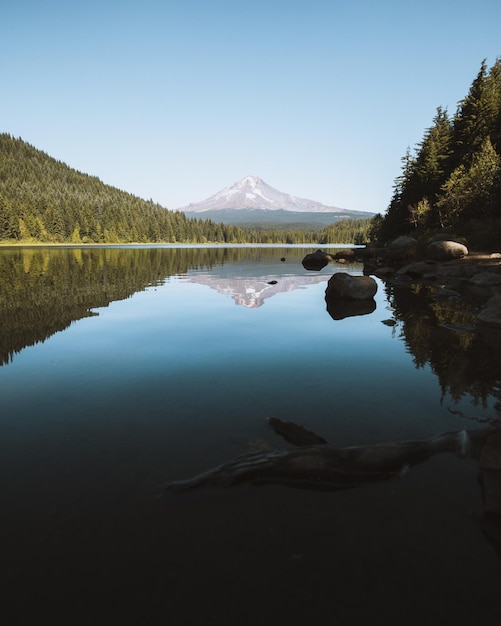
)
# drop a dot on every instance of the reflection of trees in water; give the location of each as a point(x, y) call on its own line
point(441, 333)
point(43, 290)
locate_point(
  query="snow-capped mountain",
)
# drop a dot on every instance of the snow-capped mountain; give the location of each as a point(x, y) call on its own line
point(251, 202)
point(252, 292)
point(253, 193)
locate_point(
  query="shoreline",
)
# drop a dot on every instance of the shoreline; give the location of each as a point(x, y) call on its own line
point(178, 245)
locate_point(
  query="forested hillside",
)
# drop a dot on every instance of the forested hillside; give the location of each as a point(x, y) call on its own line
point(45, 200)
point(453, 180)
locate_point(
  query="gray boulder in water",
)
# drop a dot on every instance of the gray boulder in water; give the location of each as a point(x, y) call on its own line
point(349, 287)
point(490, 315)
point(316, 260)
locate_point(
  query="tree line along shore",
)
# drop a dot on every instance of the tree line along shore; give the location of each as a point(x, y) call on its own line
point(450, 182)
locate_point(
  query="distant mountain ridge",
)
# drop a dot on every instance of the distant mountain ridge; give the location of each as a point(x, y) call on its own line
point(251, 200)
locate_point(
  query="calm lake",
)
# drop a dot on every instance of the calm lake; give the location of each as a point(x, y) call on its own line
point(123, 368)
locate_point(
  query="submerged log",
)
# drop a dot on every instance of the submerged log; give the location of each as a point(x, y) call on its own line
point(294, 433)
point(328, 468)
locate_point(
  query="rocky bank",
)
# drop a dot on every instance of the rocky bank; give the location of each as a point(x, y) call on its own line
point(454, 271)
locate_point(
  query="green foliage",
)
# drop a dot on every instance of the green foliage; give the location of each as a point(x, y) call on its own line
point(347, 231)
point(44, 200)
point(374, 232)
point(467, 192)
point(455, 174)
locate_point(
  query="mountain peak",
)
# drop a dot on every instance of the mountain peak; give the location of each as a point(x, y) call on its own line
point(253, 181)
point(251, 192)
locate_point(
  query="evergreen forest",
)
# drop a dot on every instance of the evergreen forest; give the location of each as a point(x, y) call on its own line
point(44, 200)
point(452, 181)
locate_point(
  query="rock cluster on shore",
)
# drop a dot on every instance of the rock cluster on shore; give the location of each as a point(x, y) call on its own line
point(448, 265)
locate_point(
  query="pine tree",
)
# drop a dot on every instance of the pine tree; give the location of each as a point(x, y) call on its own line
point(431, 162)
point(467, 192)
point(478, 114)
point(454, 176)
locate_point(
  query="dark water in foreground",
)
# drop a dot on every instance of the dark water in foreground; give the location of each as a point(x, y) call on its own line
point(127, 367)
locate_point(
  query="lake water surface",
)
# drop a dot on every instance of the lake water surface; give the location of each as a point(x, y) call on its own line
point(126, 367)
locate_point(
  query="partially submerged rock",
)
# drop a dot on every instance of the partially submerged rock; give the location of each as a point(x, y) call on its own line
point(486, 279)
point(349, 287)
point(316, 260)
point(384, 272)
point(389, 322)
point(345, 255)
point(419, 269)
point(449, 266)
point(348, 296)
point(490, 315)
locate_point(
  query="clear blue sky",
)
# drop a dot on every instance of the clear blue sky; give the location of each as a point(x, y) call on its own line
point(175, 99)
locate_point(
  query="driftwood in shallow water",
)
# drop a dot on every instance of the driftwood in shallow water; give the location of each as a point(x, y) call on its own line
point(329, 468)
point(294, 433)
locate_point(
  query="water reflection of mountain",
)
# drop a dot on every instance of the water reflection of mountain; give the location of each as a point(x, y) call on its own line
point(252, 292)
point(44, 290)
